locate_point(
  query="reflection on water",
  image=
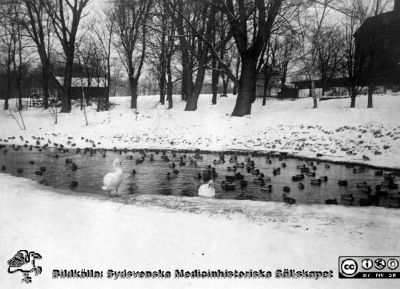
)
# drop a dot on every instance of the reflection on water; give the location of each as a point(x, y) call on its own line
point(151, 175)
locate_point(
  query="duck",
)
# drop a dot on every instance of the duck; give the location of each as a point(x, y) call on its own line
point(113, 180)
point(276, 172)
point(231, 169)
point(74, 167)
point(331, 202)
point(301, 186)
point(305, 170)
point(233, 159)
point(324, 178)
point(172, 165)
point(288, 200)
point(228, 186)
point(343, 183)
point(73, 184)
point(139, 161)
point(286, 189)
point(298, 178)
point(347, 197)
point(315, 182)
point(171, 176)
point(240, 166)
point(243, 184)
point(230, 179)
point(310, 174)
point(239, 176)
point(3, 167)
point(215, 162)
point(267, 189)
point(358, 170)
point(362, 185)
point(245, 197)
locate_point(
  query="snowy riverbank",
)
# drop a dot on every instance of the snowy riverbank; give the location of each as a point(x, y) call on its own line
point(168, 233)
point(333, 131)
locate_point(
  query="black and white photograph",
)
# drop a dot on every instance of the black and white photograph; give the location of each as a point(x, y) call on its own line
point(199, 144)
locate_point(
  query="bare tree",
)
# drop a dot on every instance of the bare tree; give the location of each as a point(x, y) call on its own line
point(105, 37)
point(328, 45)
point(38, 26)
point(65, 16)
point(131, 20)
point(15, 45)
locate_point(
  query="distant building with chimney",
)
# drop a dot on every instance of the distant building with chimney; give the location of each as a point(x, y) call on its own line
point(378, 49)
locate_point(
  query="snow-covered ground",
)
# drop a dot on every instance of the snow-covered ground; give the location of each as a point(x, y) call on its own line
point(84, 232)
point(333, 130)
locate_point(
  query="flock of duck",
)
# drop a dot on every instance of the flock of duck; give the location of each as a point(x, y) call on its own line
point(239, 174)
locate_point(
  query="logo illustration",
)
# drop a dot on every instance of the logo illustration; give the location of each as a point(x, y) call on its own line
point(349, 267)
point(367, 264)
point(380, 264)
point(24, 262)
point(393, 264)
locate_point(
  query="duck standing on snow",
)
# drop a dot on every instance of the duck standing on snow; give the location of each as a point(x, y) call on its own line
point(113, 180)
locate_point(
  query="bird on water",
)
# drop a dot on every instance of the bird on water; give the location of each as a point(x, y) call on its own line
point(113, 180)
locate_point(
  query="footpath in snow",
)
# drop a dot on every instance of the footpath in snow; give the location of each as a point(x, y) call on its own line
point(169, 233)
point(333, 131)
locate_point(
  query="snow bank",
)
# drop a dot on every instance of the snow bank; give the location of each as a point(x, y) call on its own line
point(168, 233)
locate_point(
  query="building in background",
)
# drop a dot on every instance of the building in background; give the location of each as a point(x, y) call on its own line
point(378, 49)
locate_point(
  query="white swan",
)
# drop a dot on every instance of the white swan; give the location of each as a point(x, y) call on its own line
point(207, 190)
point(113, 180)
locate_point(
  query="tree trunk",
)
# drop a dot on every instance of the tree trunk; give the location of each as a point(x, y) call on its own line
point(169, 91)
point(370, 93)
point(170, 84)
point(247, 86)
point(353, 95)
point(191, 104)
point(133, 83)
point(9, 80)
point(267, 76)
point(214, 81)
point(225, 83)
point(162, 88)
point(66, 96)
point(45, 86)
point(107, 99)
point(314, 95)
point(45, 76)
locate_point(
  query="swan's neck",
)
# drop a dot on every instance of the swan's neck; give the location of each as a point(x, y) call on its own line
point(117, 169)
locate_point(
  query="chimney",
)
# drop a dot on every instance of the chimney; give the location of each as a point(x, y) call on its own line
point(397, 5)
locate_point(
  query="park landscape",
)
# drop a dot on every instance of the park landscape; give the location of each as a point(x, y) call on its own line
point(170, 112)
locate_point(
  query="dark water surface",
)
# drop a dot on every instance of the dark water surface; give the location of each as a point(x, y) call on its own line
point(151, 176)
